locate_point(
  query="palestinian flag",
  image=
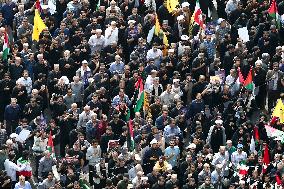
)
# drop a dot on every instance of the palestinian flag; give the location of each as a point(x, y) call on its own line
point(50, 146)
point(266, 159)
point(127, 115)
point(6, 48)
point(278, 180)
point(198, 17)
point(131, 133)
point(140, 99)
point(241, 77)
point(273, 13)
point(248, 84)
point(27, 172)
point(256, 135)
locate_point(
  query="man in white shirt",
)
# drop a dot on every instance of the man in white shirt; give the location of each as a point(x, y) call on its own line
point(239, 155)
point(26, 81)
point(150, 80)
point(97, 41)
point(11, 168)
point(155, 54)
point(111, 34)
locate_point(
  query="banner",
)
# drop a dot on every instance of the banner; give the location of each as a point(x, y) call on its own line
point(274, 133)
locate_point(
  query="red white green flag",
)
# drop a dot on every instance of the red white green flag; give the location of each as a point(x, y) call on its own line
point(256, 134)
point(198, 17)
point(50, 146)
point(273, 13)
point(248, 83)
point(266, 159)
point(140, 99)
point(131, 133)
point(6, 48)
point(27, 171)
point(243, 170)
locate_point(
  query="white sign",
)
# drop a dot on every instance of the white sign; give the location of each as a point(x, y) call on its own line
point(23, 135)
point(243, 34)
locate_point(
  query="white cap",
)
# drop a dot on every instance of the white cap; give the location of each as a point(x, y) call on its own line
point(99, 30)
point(14, 135)
point(44, 6)
point(131, 21)
point(185, 4)
point(191, 146)
point(184, 37)
point(278, 138)
point(180, 17)
point(220, 20)
point(26, 44)
point(242, 182)
point(91, 80)
point(113, 22)
point(171, 50)
point(137, 157)
point(220, 166)
point(218, 121)
point(175, 80)
point(258, 62)
point(9, 141)
point(176, 97)
point(84, 62)
point(65, 79)
point(154, 141)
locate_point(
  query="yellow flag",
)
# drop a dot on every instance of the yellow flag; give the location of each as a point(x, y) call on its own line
point(279, 111)
point(146, 101)
point(157, 26)
point(38, 26)
point(171, 5)
point(165, 39)
point(191, 24)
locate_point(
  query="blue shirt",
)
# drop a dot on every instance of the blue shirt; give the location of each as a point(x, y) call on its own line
point(211, 48)
point(20, 128)
point(169, 151)
point(26, 186)
point(116, 101)
point(8, 13)
point(57, 31)
point(116, 67)
point(170, 132)
point(12, 113)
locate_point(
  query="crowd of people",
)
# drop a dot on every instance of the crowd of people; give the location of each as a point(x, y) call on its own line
point(135, 94)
